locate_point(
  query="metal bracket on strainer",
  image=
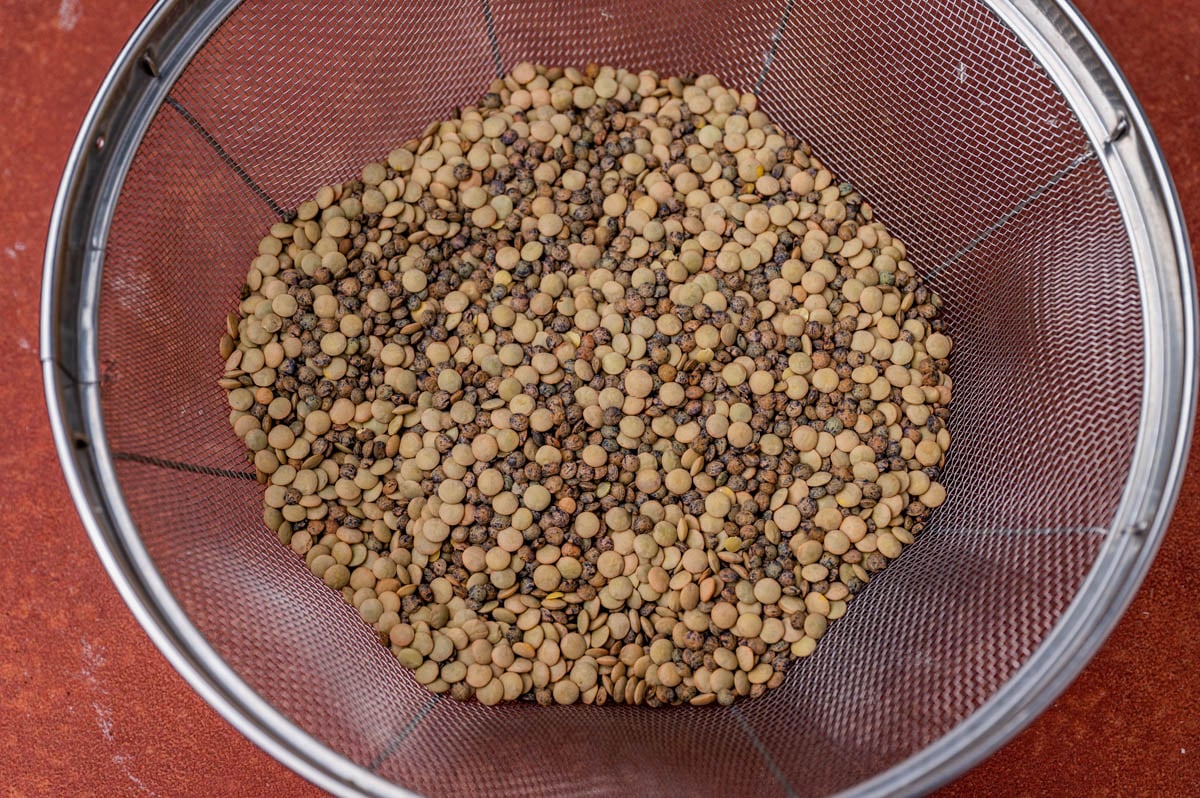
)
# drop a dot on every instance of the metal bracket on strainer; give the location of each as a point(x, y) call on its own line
point(998, 137)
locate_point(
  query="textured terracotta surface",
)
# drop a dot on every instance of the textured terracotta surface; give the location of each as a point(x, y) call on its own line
point(89, 707)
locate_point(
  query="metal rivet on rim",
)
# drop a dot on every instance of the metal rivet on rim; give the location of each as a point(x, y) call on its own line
point(150, 63)
point(1119, 131)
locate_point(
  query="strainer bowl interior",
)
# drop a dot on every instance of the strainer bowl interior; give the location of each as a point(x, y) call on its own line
point(996, 140)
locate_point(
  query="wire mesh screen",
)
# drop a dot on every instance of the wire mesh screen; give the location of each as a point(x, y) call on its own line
point(940, 118)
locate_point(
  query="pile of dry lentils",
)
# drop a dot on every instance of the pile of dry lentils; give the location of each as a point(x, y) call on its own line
point(604, 390)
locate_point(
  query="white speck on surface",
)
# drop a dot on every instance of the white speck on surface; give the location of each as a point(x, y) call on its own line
point(121, 761)
point(962, 72)
point(24, 344)
point(93, 662)
point(104, 720)
point(69, 12)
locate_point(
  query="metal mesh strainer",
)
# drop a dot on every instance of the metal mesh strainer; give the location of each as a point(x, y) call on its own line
point(995, 138)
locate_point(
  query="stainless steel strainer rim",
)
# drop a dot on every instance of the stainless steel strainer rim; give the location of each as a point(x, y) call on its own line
point(1066, 48)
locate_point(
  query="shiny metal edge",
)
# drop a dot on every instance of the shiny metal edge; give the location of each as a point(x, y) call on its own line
point(1089, 79)
point(1063, 43)
point(109, 137)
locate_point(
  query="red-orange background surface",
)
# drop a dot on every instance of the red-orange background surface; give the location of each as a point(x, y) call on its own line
point(89, 707)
